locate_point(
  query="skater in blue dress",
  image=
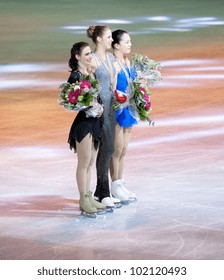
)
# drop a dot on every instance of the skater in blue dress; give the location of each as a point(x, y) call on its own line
point(125, 118)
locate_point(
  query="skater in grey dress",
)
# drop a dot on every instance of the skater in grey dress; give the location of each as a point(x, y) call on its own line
point(104, 71)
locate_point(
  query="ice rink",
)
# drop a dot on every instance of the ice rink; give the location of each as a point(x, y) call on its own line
point(176, 168)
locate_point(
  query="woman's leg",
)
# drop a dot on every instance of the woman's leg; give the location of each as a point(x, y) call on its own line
point(118, 147)
point(116, 186)
point(89, 168)
point(126, 139)
point(84, 153)
point(105, 152)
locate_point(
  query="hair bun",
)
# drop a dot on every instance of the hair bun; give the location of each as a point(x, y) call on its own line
point(90, 31)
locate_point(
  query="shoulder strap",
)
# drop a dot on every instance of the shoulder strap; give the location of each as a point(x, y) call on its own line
point(125, 71)
point(98, 62)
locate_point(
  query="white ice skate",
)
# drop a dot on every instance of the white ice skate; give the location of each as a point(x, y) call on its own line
point(117, 192)
point(131, 195)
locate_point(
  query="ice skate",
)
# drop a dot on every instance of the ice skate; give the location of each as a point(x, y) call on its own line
point(116, 201)
point(131, 195)
point(109, 203)
point(101, 208)
point(88, 215)
point(117, 192)
point(86, 207)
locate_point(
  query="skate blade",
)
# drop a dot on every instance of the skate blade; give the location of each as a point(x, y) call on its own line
point(109, 210)
point(88, 215)
point(125, 202)
point(133, 199)
point(117, 205)
point(102, 211)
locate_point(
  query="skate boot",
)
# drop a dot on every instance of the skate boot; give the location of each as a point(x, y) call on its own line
point(86, 207)
point(101, 208)
point(109, 203)
point(117, 192)
point(113, 199)
point(131, 195)
point(116, 201)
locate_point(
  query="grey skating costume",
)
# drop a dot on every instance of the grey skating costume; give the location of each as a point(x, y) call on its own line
point(106, 147)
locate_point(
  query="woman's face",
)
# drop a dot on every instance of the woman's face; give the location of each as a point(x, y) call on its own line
point(124, 45)
point(86, 56)
point(106, 39)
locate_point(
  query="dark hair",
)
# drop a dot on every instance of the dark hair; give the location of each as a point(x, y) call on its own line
point(76, 49)
point(117, 36)
point(95, 31)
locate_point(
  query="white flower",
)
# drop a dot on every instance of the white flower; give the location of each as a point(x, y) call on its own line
point(76, 87)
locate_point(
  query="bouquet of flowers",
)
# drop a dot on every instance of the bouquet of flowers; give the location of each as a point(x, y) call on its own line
point(147, 73)
point(141, 102)
point(81, 95)
point(147, 70)
point(137, 98)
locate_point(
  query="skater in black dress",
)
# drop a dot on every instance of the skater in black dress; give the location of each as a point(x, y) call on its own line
point(85, 132)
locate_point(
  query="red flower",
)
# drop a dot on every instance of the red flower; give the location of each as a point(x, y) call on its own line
point(120, 99)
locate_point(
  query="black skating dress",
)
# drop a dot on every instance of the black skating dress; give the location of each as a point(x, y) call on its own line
point(82, 125)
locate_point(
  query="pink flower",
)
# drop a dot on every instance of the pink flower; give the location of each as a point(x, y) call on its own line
point(85, 84)
point(142, 90)
point(86, 89)
point(73, 96)
point(78, 91)
point(146, 97)
point(147, 106)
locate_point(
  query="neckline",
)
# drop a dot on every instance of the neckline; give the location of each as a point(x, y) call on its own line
point(107, 65)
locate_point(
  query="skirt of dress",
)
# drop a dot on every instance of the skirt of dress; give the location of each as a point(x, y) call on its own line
point(125, 118)
point(81, 127)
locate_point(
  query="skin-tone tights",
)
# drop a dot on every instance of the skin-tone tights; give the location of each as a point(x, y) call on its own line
point(122, 137)
point(86, 155)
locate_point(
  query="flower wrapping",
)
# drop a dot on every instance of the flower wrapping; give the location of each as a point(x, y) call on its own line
point(81, 95)
point(147, 70)
point(140, 101)
point(95, 111)
point(147, 73)
point(138, 95)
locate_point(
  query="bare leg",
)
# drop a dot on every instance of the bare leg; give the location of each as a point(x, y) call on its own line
point(86, 156)
point(118, 189)
point(89, 169)
point(126, 139)
point(118, 147)
point(122, 138)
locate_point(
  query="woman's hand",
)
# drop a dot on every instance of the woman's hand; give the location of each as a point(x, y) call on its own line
point(95, 111)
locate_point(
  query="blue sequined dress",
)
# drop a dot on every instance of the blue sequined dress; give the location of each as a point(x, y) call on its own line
point(124, 117)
